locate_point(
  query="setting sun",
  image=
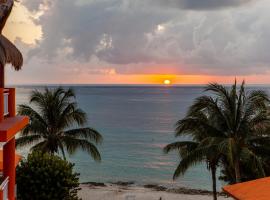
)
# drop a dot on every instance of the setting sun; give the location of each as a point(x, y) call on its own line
point(167, 82)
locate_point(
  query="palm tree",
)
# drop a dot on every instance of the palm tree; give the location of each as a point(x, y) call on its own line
point(241, 118)
point(197, 125)
point(227, 125)
point(56, 124)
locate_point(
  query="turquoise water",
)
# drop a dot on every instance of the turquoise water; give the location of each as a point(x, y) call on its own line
point(136, 123)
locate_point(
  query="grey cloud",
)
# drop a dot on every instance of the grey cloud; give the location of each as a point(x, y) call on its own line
point(124, 34)
point(85, 25)
point(34, 5)
point(200, 4)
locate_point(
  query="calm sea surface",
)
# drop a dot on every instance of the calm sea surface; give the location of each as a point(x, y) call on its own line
point(136, 123)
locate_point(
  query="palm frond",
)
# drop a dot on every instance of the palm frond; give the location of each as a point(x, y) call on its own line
point(191, 159)
point(85, 133)
point(70, 115)
point(72, 144)
point(178, 145)
point(37, 123)
point(67, 96)
point(24, 109)
point(27, 140)
point(192, 126)
point(256, 161)
point(41, 146)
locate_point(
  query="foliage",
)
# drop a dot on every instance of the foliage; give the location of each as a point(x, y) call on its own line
point(57, 124)
point(193, 152)
point(228, 128)
point(46, 177)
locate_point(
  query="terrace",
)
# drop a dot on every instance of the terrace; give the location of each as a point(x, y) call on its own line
point(10, 125)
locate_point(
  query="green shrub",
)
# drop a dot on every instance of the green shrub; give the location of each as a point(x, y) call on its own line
point(46, 177)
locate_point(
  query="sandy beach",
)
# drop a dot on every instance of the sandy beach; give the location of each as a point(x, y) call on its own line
point(116, 192)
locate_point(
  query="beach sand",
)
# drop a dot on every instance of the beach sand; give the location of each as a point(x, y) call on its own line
point(115, 192)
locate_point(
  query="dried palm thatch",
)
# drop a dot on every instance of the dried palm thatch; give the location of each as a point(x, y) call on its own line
point(5, 10)
point(9, 54)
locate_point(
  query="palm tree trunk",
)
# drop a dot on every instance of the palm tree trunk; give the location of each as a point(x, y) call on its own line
point(214, 181)
point(63, 152)
point(237, 171)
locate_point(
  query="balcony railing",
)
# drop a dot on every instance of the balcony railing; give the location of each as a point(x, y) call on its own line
point(6, 94)
point(4, 189)
point(7, 102)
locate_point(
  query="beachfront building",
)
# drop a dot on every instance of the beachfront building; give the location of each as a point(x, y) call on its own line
point(10, 124)
point(251, 190)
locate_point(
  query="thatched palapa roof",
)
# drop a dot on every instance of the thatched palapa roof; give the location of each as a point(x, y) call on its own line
point(9, 54)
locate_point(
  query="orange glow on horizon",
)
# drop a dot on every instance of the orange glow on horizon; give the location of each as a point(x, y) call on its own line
point(156, 79)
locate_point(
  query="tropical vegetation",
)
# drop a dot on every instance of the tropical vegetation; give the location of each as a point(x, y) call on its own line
point(57, 125)
point(227, 128)
point(44, 176)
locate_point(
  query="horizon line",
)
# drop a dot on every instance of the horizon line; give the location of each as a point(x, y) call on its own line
point(129, 84)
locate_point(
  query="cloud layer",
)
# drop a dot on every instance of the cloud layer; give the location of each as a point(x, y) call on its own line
point(216, 37)
point(199, 4)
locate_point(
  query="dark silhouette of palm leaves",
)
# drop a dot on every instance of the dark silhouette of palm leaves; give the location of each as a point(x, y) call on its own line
point(226, 125)
point(57, 124)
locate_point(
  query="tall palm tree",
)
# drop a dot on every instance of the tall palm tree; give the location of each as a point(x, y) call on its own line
point(198, 126)
point(57, 124)
point(241, 118)
point(226, 125)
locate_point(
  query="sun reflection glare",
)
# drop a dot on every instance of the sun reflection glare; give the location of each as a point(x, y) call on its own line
point(167, 82)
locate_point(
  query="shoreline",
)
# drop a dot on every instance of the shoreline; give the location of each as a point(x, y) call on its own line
point(130, 191)
point(153, 187)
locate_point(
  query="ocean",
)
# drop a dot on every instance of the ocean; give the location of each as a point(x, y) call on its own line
point(136, 123)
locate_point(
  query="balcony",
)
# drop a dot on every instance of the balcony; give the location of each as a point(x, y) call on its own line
point(7, 105)
point(10, 124)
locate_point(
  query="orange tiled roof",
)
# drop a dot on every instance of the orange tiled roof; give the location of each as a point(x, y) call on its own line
point(258, 189)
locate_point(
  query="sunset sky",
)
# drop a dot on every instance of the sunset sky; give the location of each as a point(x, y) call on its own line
point(141, 41)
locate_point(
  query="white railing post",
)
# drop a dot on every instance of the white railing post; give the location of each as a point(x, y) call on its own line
point(4, 189)
point(6, 112)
